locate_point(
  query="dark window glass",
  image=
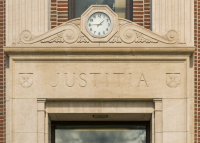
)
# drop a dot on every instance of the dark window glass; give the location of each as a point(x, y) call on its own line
point(124, 8)
point(119, 6)
point(101, 133)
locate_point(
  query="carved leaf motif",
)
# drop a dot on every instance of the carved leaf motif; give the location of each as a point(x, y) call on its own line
point(141, 38)
point(58, 38)
point(82, 39)
point(19, 42)
point(115, 39)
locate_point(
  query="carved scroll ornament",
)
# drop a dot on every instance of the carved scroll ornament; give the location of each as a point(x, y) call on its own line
point(128, 32)
point(132, 33)
point(66, 33)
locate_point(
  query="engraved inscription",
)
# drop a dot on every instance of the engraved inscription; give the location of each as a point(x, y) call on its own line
point(130, 80)
point(173, 79)
point(142, 82)
point(83, 80)
point(72, 84)
point(98, 80)
point(106, 79)
point(57, 80)
point(118, 78)
point(26, 79)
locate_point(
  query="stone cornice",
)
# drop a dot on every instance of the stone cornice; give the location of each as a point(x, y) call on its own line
point(127, 37)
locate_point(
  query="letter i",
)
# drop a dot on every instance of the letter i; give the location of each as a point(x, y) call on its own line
point(130, 80)
point(106, 79)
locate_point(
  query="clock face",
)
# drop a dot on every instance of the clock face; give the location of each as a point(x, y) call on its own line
point(99, 24)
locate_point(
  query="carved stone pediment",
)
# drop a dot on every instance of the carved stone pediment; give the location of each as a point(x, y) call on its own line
point(72, 33)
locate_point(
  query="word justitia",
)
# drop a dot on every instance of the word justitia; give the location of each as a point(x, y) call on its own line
point(98, 79)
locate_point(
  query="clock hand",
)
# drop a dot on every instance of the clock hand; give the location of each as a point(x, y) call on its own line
point(100, 23)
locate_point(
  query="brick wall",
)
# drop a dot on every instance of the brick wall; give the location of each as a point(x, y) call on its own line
point(196, 71)
point(59, 12)
point(141, 12)
point(2, 73)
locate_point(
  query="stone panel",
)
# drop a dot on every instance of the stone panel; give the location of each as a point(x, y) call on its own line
point(25, 111)
point(174, 115)
point(25, 138)
point(100, 80)
point(174, 137)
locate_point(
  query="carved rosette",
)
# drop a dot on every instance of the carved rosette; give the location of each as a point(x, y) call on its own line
point(71, 33)
point(173, 79)
point(127, 35)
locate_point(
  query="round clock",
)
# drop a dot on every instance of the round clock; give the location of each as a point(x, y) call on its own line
point(99, 24)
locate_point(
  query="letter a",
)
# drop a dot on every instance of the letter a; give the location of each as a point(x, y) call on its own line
point(142, 82)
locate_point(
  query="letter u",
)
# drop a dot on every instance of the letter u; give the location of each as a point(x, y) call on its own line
point(73, 80)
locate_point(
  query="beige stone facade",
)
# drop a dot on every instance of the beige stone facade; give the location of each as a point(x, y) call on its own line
point(133, 74)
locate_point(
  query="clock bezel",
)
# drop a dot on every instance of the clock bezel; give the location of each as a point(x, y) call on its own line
point(101, 11)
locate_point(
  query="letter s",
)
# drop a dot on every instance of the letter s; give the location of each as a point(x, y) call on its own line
point(83, 80)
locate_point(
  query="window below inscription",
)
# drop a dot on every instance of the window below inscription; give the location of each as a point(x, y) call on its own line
point(101, 132)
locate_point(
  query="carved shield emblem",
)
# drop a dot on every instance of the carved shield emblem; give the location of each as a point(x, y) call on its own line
point(26, 80)
point(173, 79)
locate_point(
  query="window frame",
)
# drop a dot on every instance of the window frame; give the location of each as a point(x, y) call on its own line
point(129, 9)
point(146, 123)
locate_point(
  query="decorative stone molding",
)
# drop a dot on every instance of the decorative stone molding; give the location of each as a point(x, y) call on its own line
point(158, 120)
point(71, 34)
point(132, 33)
point(122, 22)
point(115, 39)
point(41, 111)
point(76, 22)
point(82, 39)
point(124, 32)
point(58, 38)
